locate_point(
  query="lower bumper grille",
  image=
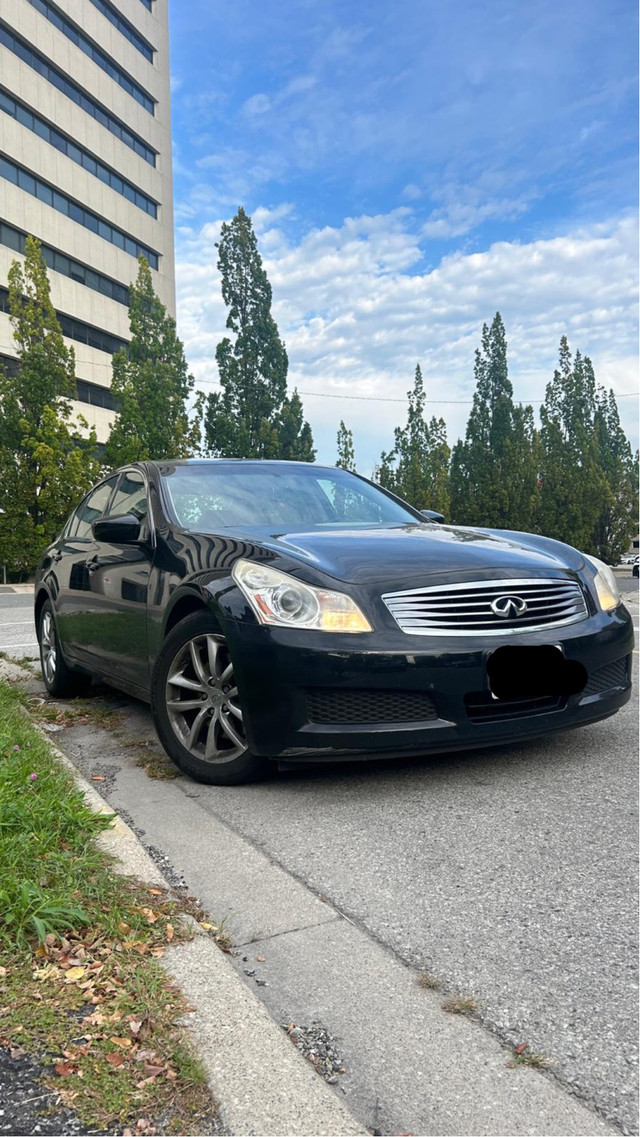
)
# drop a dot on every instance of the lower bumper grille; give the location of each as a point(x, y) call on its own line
point(329, 705)
point(611, 675)
point(481, 707)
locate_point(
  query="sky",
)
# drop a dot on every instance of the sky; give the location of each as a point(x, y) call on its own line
point(411, 167)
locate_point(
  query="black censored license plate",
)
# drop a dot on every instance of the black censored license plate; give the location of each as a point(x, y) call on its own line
point(531, 672)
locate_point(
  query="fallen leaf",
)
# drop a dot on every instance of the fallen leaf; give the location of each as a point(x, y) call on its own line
point(17, 1051)
point(3, 972)
point(522, 1047)
point(97, 778)
point(125, 1043)
point(115, 1059)
point(207, 927)
point(124, 928)
point(154, 891)
point(260, 958)
point(169, 932)
point(73, 974)
point(134, 1025)
point(150, 914)
point(157, 952)
point(153, 1071)
point(63, 1069)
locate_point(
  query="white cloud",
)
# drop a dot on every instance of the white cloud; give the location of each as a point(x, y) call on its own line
point(358, 309)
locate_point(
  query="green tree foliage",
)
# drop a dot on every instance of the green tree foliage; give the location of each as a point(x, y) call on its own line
point(494, 470)
point(46, 464)
point(618, 520)
point(252, 416)
point(417, 469)
point(589, 485)
point(346, 452)
point(150, 383)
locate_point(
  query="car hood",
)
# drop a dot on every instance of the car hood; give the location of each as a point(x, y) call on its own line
point(405, 553)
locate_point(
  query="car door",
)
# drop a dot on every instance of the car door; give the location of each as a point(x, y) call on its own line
point(68, 579)
point(118, 576)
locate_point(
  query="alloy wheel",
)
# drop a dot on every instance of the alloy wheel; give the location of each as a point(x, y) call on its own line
point(202, 701)
point(48, 647)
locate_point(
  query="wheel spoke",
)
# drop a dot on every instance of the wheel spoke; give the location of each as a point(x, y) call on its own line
point(211, 750)
point(213, 655)
point(184, 704)
point(196, 725)
point(181, 680)
point(230, 731)
point(227, 673)
point(198, 665)
point(235, 710)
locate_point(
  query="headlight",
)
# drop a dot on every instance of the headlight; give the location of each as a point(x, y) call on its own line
point(605, 585)
point(277, 598)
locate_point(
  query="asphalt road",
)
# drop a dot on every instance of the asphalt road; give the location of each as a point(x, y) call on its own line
point(508, 874)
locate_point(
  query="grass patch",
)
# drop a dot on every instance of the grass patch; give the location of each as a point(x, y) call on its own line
point(522, 1056)
point(460, 1006)
point(81, 988)
point(428, 981)
point(74, 713)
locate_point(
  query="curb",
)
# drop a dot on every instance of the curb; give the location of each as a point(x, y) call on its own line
point(262, 1083)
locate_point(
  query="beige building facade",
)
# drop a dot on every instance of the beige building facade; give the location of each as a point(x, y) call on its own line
point(85, 166)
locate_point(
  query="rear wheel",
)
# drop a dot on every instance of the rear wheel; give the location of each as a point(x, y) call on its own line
point(196, 708)
point(60, 680)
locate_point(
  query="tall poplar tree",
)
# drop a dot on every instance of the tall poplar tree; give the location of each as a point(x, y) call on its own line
point(47, 460)
point(589, 487)
point(618, 520)
point(252, 416)
point(494, 470)
point(151, 384)
point(417, 469)
point(346, 452)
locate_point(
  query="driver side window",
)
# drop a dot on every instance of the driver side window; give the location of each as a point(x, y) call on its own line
point(131, 497)
point(93, 506)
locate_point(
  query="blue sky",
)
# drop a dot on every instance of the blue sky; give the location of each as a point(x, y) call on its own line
point(411, 167)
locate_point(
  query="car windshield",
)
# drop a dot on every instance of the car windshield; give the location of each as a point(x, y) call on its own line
point(219, 496)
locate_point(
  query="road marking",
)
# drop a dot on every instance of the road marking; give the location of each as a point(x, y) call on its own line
point(32, 643)
point(15, 623)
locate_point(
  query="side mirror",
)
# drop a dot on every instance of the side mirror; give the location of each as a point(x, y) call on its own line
point(431, 515)
point(123, 530)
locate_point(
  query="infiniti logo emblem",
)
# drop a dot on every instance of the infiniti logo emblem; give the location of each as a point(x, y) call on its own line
point(509, 606)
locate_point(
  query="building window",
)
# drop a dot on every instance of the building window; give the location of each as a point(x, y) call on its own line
point(94, 395)
point(77, 154)
point(77, 330)
point(76, 212)
point(66, 266)
point(148, 4)
point(139, 42)
point(38, 62)
point(99, 57)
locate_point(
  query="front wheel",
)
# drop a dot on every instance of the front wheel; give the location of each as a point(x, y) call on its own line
point(196, 708)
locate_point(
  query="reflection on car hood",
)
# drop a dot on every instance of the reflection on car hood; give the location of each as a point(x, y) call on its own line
point(405, 552)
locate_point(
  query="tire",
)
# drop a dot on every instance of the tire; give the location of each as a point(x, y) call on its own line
point(60, 680)
point(195, 706)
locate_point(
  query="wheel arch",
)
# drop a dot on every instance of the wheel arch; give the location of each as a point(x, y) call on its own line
point(39, 603)
point(183, 606)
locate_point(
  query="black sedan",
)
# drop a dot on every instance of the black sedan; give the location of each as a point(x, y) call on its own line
point(287, 612)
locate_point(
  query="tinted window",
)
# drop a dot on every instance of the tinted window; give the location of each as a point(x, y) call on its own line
point(131, 497)
point(93, 506)
point(215, 497)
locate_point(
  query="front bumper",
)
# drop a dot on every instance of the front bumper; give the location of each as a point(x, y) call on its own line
point(278, 668)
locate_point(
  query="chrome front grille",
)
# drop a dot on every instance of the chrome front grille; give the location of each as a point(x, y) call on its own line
point(462, 609)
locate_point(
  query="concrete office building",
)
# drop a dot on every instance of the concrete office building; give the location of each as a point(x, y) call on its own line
point(85, 166)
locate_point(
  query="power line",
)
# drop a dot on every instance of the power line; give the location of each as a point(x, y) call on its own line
point(388, 399)
point(367, 398)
